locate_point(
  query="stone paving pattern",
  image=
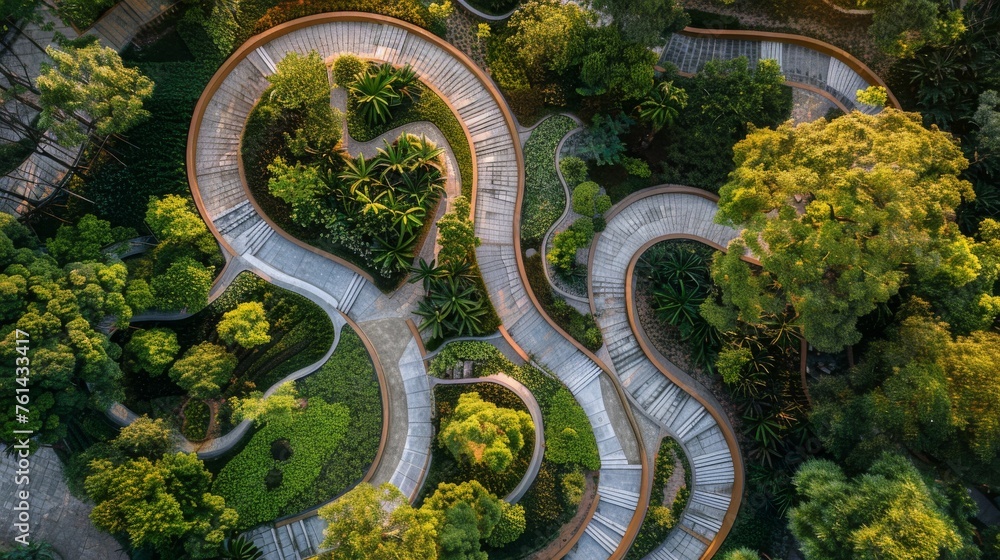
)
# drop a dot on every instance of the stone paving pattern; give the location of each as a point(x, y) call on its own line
point(56, 516)
point(666, 403)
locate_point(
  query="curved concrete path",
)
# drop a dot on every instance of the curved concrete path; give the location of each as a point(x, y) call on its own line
point(538, 450)
point(677, 404)
point(39, 176)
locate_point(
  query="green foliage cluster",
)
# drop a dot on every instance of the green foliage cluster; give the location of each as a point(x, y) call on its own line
point(84, 240)
point(922, 388)
point(480, 432)
point(551, 53)
point(661, 518)
point(889, 510)
point(601, 141)
point(903, 27)
point(73, 366)
point(83, 13)
point(427, 106)
point(547, 505)
point(197, 415)
point(723, 98)
point(164, 506)
point(153, 350)
point(574, 170)
point(544, 197)
point(313, 436)
point(203, 370)
point(583, 328)
point(372, 211)
point(814, 248)
point(565, 244)
point(451, 468)
point(565, 444)
point(377, 91)
point(348, 379)
point(677, 274)
point(456, 302)
point(368, 522)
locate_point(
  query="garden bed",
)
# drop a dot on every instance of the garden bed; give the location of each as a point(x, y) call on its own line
point(445, 468)
point(300, 334)
point(549, 503)
point(671, 491)
point(544, 197)
point(320, 451)
point(581, 326)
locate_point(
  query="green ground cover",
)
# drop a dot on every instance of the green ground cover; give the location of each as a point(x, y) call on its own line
point(544, 198)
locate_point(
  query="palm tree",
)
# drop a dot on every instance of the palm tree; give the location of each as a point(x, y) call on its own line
point(456, 299)
point(426, 272)
point(394, 256)
point(240, 549)
point(408, 220)
point(368, 202)
point(426, 153)
point(359, 172)
point(406, 84)
point(434, 318)
point(395, 158)
point(375, 96)
point(661, 107)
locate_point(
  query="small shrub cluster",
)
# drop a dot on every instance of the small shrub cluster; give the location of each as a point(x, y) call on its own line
point(544, 197)
point(312, 435)
point(565, 244)
point(582, 327)
point(196, 419)
point(661, 518)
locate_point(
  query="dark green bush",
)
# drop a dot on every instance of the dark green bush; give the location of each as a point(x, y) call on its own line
point(197, 416)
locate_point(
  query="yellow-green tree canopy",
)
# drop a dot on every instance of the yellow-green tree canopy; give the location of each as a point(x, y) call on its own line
point(173, 219)
point(888, 513)
point(840, 215)
point(466, 513)
point(145, 437)
point(90, 79)
point(301, 81)
point(370, 522)
point(246, 325)
point(203, 370)
point(153, 349)
point(481, 432)
point(165, 506)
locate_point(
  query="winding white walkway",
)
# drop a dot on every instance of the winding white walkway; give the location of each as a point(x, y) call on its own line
point(640, 221)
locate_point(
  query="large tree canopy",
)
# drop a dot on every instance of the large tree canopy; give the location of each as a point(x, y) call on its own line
point(840, 214)
point(163, 506)
point(480, 432)
point(370, 522)
point(90, 79)
point(888, 513)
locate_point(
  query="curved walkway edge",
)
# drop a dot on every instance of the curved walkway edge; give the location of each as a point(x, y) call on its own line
point(538, 452)
point(664, 393)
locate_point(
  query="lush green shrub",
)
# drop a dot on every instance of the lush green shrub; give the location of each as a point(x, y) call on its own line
point(346, 68)
point(637, 167)
point(153, 350)
point(312, 435)
point(574, 170)
point(565, 244)
point(544, 198)
point(567, 439)
point(480, 432)
point(197, 415)
point(574, 484)
point(83, 13)
point(581, 327)
point(511, 525)
point(584, 196)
